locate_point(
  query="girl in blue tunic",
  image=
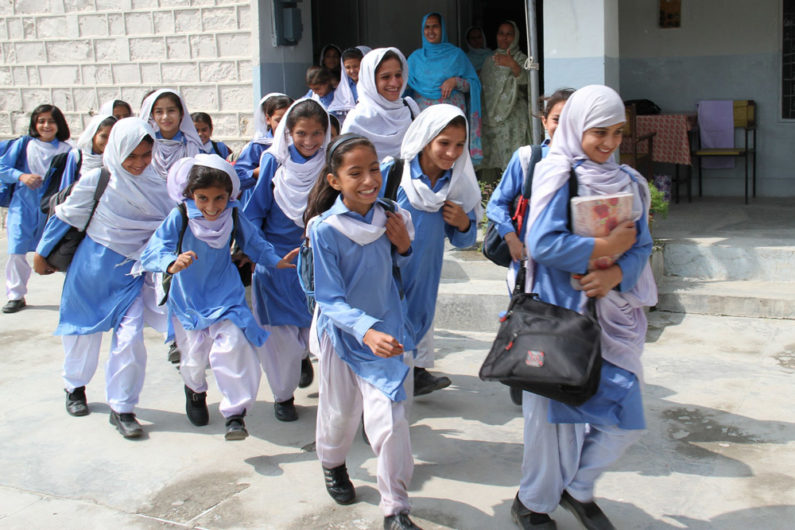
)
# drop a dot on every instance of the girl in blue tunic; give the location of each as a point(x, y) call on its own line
point(105, 288)
point(288, 170)
point(360, 325)
point(175, 135)
point(440, 190)
point(567, 448)
point(204, 128)
point(211, 318)
point(87, 156)
point(24, 166)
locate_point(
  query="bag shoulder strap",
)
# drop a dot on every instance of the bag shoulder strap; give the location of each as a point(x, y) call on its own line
point(411, 112)
point(535, 157)
point(393, 179)
point(183, 210)
point(102, 184)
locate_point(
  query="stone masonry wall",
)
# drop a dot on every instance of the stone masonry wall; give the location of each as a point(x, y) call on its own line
point(78, 54)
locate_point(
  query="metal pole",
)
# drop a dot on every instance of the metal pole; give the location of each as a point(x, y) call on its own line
point(531, 65)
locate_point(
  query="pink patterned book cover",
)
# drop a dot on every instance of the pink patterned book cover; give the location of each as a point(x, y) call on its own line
point(597, 216)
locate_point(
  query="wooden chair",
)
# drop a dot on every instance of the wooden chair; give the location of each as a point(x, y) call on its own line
point(631, 156)
point(745, 120)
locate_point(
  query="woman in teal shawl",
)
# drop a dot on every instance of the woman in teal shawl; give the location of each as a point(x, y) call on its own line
point(440, 72)
point(506, 117)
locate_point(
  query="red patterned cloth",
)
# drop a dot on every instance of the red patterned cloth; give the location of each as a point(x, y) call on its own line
point(671, 144)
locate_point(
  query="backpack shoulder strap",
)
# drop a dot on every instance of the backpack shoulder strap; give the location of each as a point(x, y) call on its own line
point(102, 184)
point(411, 111)
point(573, 185)
point(393, 179)
point(183, 210)
point(535, 158)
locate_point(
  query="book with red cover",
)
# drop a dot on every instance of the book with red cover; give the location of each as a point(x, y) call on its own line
point(597, 216)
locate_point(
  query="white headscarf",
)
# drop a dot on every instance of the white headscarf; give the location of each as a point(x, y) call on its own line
point(40, 154)
point(363, 233)
point(620, 313)
point(364, 49)
point(260, 125)
point(382, 121)
point(293, 181)
point(85, 143)
point(167, 152)
point(462, 187)
point(343, 95)
point(133, 206)
point(107, 107)
point(215, 233)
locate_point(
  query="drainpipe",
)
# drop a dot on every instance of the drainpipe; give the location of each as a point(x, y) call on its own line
point(531, 65)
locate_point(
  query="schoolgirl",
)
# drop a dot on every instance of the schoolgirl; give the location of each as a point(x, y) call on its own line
point(87, 156)
point(440, 190)
point(267, 115)
point(567, 448)
point(329, 59)
point(175, 134)
point(204, 128)
point(345, 95)
point(318, 79)
point(382, 115)
point(360, 325)
point(24, 165)
point(104, 288)
point(117, 108)
point(211, 318)
point(288, 170)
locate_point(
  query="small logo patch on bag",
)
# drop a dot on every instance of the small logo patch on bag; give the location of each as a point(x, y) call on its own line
point(534, 358)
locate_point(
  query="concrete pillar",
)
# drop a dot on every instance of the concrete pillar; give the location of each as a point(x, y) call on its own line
point(580, 43)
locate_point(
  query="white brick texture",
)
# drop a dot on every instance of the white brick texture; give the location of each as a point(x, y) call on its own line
point(78, 54)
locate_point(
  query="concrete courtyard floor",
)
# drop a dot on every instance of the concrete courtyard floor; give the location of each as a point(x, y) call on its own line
point(718, 452)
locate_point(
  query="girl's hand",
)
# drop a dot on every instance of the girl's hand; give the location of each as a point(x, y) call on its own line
point(622, 237)
point(600, 282)
point(182, 262)
point(515, 247)
point(41, 266)
point(455, 216)
point(448, 87)
point(31, 180)
point(397, 233)
point(287, 261)
point(255, 173)
point(382, 344)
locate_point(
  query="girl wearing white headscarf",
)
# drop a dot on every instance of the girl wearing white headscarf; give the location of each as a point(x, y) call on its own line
point(117, 108)
point(440, 190)
point(180, 139)
point(382, 116)
point(101, 291)
point(207, 301)
point(288, 170)
point(562, 458)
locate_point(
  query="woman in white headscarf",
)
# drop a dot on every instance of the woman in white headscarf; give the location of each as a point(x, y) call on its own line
point(563, 458)
point(175, 134)
point(440, 190)
point(382, 115)
point(288, 170)
point(102, 290)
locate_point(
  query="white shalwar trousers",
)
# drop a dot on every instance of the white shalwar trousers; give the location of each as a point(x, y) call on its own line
point(232, 359)
point(17, 276)
point(424, 355)
point(281, 357)
point(564, 456)
point(126, 367)
point(343, 398)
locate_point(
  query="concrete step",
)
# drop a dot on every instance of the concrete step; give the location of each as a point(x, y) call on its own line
point(472, 305)
point(754, 298)
point(731, 258)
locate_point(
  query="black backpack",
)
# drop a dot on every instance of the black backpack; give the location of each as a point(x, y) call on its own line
point(53, 178)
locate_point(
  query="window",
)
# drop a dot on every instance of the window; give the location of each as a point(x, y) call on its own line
point(788, 61)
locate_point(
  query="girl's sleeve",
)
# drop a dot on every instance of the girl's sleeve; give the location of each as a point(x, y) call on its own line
point(225, 151)
point(463, 239)
point(54, 231)
point(254, 245)
point(499, 207)
point(245, 165)
point(330, 290)
point(70, 173)
point(635, 259)
point(8, 171)
point(261, 200)
point(552, 244)
point(161, 251)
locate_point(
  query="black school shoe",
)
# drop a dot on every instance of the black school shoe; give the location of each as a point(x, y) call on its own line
point(528, 519)
point(285, 410)
point(588, 513)
point(339, 485)
point(399, 521)
point(76, 403)
point(126, 424)
point(12, 306)
point(236, 428)
point(516, 395)
point(425, 382)
point(196, 407)
point(307, 373)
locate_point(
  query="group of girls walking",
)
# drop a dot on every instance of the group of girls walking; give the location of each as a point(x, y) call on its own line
point(157, 252)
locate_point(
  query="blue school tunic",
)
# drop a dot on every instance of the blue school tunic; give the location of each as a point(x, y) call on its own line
point(352, 84)
point(422, 273)
point(558, 253)
point(210, 289)
point(280, 299)
point(324, 100)
point(245, 165)
point(25, 220)
point(355, 291)
point(217, 148)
